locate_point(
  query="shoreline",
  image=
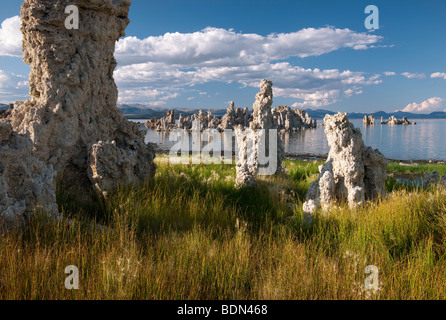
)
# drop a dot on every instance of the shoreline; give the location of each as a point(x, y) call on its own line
point(316, 157)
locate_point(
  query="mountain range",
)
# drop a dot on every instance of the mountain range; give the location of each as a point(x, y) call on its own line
point(139, 111)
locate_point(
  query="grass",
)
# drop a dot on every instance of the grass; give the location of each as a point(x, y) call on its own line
point(189, 234)
point(397, 168)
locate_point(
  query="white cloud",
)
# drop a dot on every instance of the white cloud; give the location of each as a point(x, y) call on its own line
point(156, 69)
point(315, 85)
point(438, 75)
point(12, 87)
point(182, 60)
point(155, 97)
point(430, 105)
point(389, 73)
point(314, 103)
point(11, 37)
point(351, 92)
point(221, 47)
point(409, 75)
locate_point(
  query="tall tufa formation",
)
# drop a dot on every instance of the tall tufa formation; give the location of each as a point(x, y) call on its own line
point(260, 149)
point(353, 172)
point(228, 120)
point(72, 117)
point(368, 120)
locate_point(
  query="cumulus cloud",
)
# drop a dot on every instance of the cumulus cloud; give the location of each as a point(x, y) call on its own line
point(143, 94)
point(179, 60)
point(389, 73)
point(409, 75)
point(438, 75)
point(318, 87)
point(216, 46)
point(430, 105)
point(11, 37)
point(156, 69)
point(12, 87)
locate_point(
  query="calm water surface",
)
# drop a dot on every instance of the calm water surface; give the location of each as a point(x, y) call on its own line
point(424, 141)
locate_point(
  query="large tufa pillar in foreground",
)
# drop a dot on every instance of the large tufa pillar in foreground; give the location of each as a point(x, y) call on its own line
point(72, 117)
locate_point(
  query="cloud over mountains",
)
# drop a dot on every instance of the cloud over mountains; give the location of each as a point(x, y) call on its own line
point(430, 105)
point(180, 60)
point(221, 47)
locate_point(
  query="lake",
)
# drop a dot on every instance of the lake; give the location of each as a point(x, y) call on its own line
point(424, 141)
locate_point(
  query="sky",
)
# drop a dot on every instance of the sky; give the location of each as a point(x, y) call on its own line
point(319, 54)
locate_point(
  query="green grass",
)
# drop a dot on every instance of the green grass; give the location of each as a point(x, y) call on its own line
point(397, 168)
point(189, 234)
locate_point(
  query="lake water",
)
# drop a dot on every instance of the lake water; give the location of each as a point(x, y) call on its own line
point(424, 141)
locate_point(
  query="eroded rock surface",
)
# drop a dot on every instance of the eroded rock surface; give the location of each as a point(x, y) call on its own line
point(368, 120)
point(287, 119)
point(228, 120)
point(27, 184)
point(71, 125)
point(73, 93)
point(394, 121)
point(112, 164)
point(353, 172)
point(284, 119)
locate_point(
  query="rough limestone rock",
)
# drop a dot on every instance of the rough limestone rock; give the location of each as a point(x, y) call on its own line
point(73, 93)
point(394, 121)
point(228, 121)
point(6, 113)
point(246, 168)
point(254, 141)
point(214, 123)
point(27, 184)
point(369, 120)
point(353, 172)
point(202, 119)
point(181, 121)
point(111, 165)
point(323, 190)
point(170, 117)
point(284, 119)
point(287, 119)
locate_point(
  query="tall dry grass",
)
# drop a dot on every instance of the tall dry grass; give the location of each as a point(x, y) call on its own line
point(189, 234)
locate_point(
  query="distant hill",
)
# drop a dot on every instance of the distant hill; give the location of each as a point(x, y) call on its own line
point(320, 114)
point(399, 115)
point(139, 111)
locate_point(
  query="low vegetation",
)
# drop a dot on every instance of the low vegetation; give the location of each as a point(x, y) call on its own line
point(189, 234)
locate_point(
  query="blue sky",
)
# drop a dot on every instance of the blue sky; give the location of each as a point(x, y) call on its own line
point(203, 54)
